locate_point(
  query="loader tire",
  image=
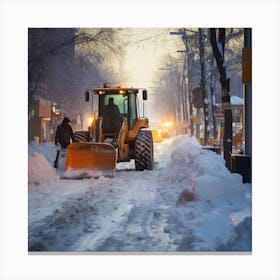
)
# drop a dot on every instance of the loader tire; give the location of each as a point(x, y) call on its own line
point(81, 136)
point(144, 151)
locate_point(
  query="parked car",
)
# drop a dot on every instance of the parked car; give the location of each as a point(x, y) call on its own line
point(156, 136)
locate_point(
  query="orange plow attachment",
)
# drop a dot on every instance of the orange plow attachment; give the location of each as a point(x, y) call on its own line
point(86, 160)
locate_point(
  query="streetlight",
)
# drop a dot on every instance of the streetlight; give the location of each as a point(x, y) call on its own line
point(183, 32)
point(184, 92)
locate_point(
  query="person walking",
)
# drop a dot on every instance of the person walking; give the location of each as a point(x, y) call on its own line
point(63, 136)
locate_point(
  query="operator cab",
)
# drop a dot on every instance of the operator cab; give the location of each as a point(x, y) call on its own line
point(117, 104)
point(124, 98)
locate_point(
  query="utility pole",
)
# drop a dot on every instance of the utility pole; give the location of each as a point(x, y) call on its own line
point(247, 80)
point(225, 88)
point(184, 86)
point(213, 99)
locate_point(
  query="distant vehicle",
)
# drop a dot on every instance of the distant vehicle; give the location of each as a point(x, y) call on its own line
point(157, 136)
point(167, 129)
point(164, 133)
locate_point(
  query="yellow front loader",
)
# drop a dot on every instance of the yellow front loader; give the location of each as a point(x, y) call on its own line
point(117, 134)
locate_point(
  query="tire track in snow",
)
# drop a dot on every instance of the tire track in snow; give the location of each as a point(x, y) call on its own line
point(57, 231)
point(129, 214)
point(136, 223)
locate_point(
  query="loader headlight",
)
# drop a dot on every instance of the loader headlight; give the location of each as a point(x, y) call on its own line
point(90, 121)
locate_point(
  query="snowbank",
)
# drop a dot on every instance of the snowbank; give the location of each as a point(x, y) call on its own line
point(213, 204)
point(202, 171)
point(40, 171)
point(189, 202)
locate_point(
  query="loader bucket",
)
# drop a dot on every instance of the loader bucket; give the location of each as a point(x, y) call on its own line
point(86, 160)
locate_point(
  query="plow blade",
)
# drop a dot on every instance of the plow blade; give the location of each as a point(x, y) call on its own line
point(86, 160)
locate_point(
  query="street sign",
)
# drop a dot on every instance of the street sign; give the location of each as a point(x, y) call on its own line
point(220, 115)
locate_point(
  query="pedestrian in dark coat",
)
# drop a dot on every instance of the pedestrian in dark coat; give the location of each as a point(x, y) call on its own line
point(63, 136)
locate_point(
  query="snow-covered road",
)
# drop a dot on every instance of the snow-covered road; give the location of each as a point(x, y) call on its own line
point(148, 211)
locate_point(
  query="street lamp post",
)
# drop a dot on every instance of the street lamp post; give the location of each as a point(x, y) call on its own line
point(187, 64)
point(183, 86)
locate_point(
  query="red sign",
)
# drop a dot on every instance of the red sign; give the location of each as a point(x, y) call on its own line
point(220, 114)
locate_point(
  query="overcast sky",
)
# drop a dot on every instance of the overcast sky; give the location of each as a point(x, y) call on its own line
point(145, 56)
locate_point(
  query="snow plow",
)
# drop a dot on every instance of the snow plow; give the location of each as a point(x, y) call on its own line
point(117, 134)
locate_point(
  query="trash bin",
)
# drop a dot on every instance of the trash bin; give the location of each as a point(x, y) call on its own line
point(242, 164)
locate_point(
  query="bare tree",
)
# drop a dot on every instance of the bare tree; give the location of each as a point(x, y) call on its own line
point(213, 97)
point(203, 87)
point(65, 60)
point(190, 51)
point(218, 47)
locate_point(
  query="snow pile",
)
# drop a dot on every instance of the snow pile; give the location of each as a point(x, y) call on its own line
point(212, 203)
point(39, 166)
point(47, 149)
point(209, 187)
point(189, 202)
point(202, 171)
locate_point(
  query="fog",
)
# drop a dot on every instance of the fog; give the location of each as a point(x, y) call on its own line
point(64, 62)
